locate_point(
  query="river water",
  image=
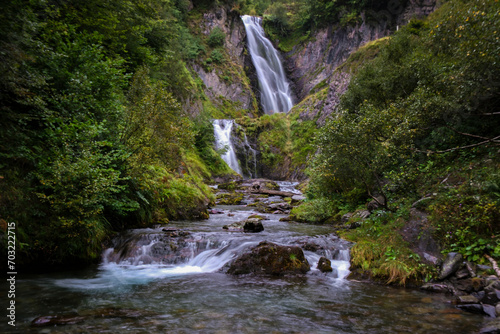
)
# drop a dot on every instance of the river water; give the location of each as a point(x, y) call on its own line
point(152, 290)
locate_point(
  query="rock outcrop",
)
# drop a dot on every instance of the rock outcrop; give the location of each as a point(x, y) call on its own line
point(231, 83)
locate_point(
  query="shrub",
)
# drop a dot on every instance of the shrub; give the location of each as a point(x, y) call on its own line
point(216, 37)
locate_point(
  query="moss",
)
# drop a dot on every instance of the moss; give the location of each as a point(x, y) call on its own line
point(364, 54)
point(229, 198)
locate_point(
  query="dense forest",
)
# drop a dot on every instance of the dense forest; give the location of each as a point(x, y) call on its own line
point(105, 126)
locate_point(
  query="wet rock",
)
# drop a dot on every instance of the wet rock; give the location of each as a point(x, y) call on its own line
point(271, 259)
point(437, 287)
point(253, 225)
point(492, 297)
point(469, 285)
point(234, 227)
point(57, 320)
point(467, 299)
point(325, 265)
point(174, 233)
point(451, 264)
point(259, 217)
point(215, 212)
point(462, 273)
point(473, 308)
point(490, 310)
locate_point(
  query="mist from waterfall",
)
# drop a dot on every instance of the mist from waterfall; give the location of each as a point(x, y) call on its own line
point(274, 87)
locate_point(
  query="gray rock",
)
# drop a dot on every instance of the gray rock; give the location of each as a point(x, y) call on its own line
point(451, 264)
point(467, 299)
point(497, 309)
point(472, 308)
point(298, 198)
point(437, 287)
point(492, 297)
point(490, 310)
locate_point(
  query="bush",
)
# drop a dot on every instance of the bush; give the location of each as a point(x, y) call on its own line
point(216, 37)
point(217, 56)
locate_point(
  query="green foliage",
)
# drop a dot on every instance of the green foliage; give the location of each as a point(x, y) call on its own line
point(85, 149)
point(315, 211)
point(381, 251)
point(216, 56)
point(216, 37)
point(418, 95)
point(277, 18)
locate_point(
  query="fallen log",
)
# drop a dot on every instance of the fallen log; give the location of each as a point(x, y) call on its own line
point(272, 192)
point(494, 264)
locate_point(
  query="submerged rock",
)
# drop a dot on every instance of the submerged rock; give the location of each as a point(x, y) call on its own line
point(57, 320)
point(271, 259)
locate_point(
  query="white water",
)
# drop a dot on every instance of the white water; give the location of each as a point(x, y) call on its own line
point(222, 132)
point(274, 87)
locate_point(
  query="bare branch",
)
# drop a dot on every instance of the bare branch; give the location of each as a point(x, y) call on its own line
point(492, 140)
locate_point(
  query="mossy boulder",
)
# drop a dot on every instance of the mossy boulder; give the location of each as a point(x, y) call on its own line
point(271, 259)
point(229, 198)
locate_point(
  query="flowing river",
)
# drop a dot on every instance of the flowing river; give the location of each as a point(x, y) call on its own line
point(173, 281)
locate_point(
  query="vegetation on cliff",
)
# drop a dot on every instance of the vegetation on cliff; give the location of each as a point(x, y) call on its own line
point(418, 127)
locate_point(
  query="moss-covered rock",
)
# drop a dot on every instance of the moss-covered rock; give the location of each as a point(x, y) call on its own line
point(271, 259)
point(229, 198)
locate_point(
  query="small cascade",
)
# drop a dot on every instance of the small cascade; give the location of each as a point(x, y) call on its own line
point(274, 87)
point(239, 155)
point(222, 132)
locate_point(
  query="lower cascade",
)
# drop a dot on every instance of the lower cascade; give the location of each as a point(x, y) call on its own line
point(210, 276)
point(222, 132)
point(239, 155)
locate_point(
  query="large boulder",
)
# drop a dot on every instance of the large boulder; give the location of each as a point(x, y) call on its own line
point(271, 259)
point(451, 264)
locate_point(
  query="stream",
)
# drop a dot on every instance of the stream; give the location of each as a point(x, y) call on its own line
point(172, 280)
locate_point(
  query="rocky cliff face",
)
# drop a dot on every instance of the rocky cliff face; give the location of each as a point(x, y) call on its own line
point(314, 62)
point(231, 82)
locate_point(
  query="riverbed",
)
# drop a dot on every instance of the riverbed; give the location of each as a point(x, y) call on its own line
point(133, 292)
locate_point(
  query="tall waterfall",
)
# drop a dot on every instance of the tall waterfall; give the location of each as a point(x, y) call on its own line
point(274, 87)
point(222, 132)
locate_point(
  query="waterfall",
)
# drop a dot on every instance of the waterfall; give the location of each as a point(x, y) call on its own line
point(274, 87)
point(222, 132)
